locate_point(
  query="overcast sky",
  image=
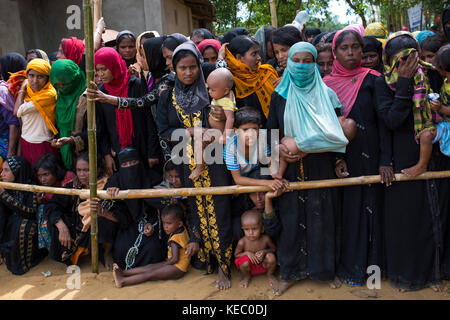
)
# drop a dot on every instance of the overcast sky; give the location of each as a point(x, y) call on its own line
point(339, 8)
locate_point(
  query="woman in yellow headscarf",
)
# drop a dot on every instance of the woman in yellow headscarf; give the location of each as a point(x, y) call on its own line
point(35, 105)
point(377, 30)
point(253, 81)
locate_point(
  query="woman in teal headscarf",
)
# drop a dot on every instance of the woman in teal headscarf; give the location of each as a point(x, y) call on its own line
point(305, 223)
point(311, 124)
point(70, 82)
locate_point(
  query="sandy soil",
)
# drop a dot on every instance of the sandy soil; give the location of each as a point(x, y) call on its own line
point(193, 286)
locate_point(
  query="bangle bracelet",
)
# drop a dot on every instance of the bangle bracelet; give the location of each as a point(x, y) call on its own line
point(269, 215)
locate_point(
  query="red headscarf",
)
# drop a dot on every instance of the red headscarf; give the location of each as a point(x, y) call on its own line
point(209, 43)
point(73, 49)
point(118, 87)
point(346, 83)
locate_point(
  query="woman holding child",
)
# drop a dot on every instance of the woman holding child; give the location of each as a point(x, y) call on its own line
point(306, 223)
point(186, 106)
point(413, 214)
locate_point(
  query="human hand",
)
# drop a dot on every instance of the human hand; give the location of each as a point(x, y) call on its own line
point(64, 234)
point(387, 175)
point(192, 248)
point(341, 169)
point(149, 230)
point(277, 193)
point(436, 105)
point(101, 26)
point(132, 70)
point(95, 206)
point(110, 165)
point(253, 258)
point(260, 255)
point(222, 51)
point(152, 162)
point(277, 184)
point(277, 81)
point(24, 85)
point(96, 95)
point(408, 68)
point(58, 143)
point(112, 192)
point(218, 113)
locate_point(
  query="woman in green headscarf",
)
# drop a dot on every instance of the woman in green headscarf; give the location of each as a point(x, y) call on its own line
point(70, 82)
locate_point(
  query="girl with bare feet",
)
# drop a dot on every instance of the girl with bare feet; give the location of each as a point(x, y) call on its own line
point(177, 262)
point(255, 252)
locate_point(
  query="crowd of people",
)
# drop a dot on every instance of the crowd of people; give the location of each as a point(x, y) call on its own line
point(356, 102)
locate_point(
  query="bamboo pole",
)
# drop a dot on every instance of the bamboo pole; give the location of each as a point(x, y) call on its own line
point(235, 189)
point(273, 13)
point(89, 51)
point(97, 5)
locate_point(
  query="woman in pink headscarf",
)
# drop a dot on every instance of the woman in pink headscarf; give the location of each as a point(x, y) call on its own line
point(367, 154)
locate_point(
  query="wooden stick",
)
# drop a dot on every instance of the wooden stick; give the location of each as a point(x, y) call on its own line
point(236, 189)
point(92, 142)
point(97, 5)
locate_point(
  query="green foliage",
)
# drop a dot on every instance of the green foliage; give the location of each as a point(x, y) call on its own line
point(253, 14)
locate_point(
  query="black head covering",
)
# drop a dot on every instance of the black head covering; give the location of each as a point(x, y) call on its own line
point(11, 62)
point(132, 177)
point(371, 44)
point(320, 38)
point(174, 40)
point(52, 56)
point(230, 35)
point(312, 32)
point(153, 55)
point(127, 154)
point(195, 96)
point(207, 68)
point(119, 37)
point(23, 173)
point(445, 19)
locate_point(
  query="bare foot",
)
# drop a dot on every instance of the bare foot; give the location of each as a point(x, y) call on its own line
point(437, 287)
point(118, 277)
point(414, 171)
point(223, 282)
point(109, 261)
point(196, 173)
point(284, 285)
point(336, 283)
point(244, 282)
point(274, 283)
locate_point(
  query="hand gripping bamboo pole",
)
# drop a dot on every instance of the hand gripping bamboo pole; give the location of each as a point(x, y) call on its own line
point(89, 51)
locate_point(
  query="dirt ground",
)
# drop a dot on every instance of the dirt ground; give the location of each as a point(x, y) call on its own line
point(193, 286)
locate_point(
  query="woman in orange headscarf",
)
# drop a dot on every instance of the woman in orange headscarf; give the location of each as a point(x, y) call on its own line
point(35, 105)
point(253, 81)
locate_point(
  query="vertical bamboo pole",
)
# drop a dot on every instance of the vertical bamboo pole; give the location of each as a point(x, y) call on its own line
point(97, 7)
point(273, 13)
point(89, 51)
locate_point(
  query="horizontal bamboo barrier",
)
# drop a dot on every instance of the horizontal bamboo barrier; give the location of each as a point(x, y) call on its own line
point(236, 189)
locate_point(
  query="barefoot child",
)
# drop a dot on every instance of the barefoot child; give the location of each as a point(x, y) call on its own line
point(255, 252)
point(177, 262)
point(311, 125)
point(241, 151)
point(220, 82)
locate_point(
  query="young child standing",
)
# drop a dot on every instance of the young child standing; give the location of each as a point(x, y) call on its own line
point(220, 84)
point(255, 252)
point(177, 262)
